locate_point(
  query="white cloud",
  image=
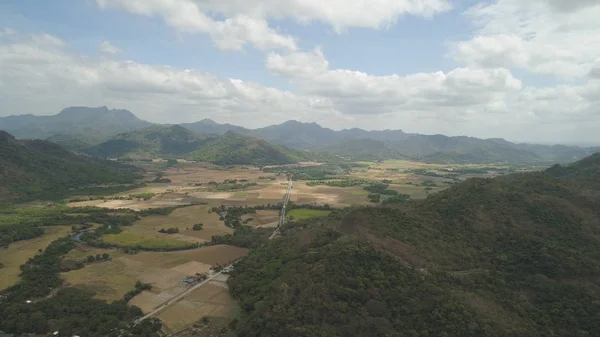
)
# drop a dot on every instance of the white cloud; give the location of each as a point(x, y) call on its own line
point(109, 48)
point(247, 21)
point(534, 36)
point(357, 93)
point(38, 75)
point(229, 34)
point(339, 14)
point(298, 64)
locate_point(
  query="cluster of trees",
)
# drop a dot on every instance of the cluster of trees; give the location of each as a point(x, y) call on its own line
point(26, 307)
point(198, 227)
point(374, 197)
point(338, 183)
point(172, 230)
point(317, 172)
point(144, 196)
point(139, 287)
point(98, 258)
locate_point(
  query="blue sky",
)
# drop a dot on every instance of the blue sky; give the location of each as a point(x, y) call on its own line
point(486, 69)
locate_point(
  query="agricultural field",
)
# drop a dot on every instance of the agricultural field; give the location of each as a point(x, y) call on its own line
point(210, 300)
point(19, 252)
point(303, 213)
point(164, 271)
point(262, 219)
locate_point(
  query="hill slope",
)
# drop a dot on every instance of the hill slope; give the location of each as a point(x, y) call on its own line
point(95, 123)
point(150, 142)
point(178, 142)
point(32, 169)
point(517, 256)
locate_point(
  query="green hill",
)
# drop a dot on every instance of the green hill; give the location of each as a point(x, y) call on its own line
point(150, 142)
point(233, 148)
point(71, 142)
point(517, 256)
point(32, 169)
point(178, 142)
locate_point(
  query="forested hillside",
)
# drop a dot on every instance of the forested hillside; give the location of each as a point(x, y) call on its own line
point(232, 148)
point(517, 256)
point(178, 142)
point(32, 169)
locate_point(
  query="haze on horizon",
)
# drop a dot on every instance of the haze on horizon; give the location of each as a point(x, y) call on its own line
point(523, 71)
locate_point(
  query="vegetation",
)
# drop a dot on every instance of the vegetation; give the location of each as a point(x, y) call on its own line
point(172, 230)
point(304, 213)
point(36, 169)
point(374, 198)
point(516, 256)
point(198, 227)
point(139, 287)
point(69, 310)
point(338, 183)
point(175, 141)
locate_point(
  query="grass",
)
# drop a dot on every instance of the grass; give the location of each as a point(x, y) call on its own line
point(303, 213)
point(128, 239)
point(108, 280)
point(19, 252)
point(240, 195)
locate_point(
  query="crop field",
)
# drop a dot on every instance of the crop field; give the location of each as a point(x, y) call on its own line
point(165, 271)
point(19, 252)
point(132, 240)
point(303, 213)
point(210, 300)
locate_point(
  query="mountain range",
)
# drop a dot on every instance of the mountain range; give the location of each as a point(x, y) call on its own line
point(175, 141)
point(79, 128)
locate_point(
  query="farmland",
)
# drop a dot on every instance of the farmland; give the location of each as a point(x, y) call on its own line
point(200, 191)
point(303, 214)
point(19, 252)
point(164, 270)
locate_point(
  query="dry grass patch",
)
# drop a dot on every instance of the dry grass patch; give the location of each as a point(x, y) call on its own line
point(210, 300)
point(19, 252)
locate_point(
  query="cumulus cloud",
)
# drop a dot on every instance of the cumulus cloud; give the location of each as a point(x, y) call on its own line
point(38, 75)
point(247, 21)
point(358, 93)
point(533, 36)
point(298, 64)
point(109, 48)
point(229, 34)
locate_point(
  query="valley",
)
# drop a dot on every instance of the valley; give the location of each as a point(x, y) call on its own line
point(153, 227)
point(179, 197)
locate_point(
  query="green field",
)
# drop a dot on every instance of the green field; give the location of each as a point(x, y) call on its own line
point(303, 213)
point(240, 195)
point(128, 239)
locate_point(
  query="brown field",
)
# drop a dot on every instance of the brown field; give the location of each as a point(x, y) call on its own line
point(19, 252)
point(263, 219)
point(210, 300)
point(165, 271)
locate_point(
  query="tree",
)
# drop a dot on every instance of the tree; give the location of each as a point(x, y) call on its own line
point(105, 256)
point(91, 258)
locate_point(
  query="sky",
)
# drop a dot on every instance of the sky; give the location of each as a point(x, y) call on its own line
point(520, 70)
